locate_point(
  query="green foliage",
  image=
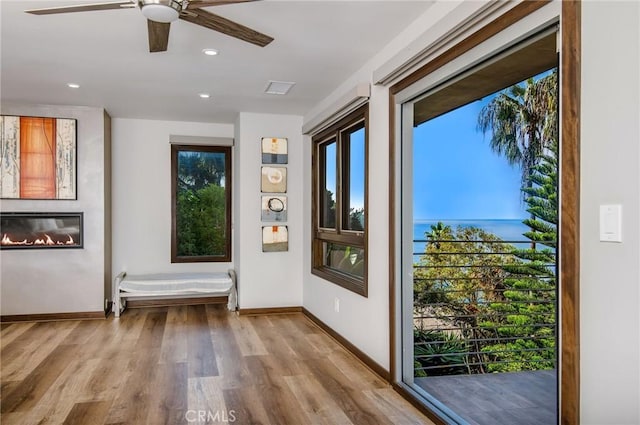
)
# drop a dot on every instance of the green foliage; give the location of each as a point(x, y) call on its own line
point(462, 260)
point(201, 220)
point(532, 310)
point(201, 204)
point(499, 300)
point(522, 355)
point(444, 352)
point(345, 258)
point(523, 120)
point(328, 206)
point(356, 219)
point(199, 169)
point(460, 274)
point(418, 370)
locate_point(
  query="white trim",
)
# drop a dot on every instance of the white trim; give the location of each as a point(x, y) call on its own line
point(406, 244)
point(455, 22)
point(200, 140)
point(348, 103)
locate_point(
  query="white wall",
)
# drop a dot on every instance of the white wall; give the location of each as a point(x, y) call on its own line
point(66, 280)
point(610, 161)
point(141, 186)
point(365, 321)
point(271, 279)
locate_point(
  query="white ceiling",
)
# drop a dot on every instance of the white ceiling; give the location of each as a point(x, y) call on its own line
point(318, 44)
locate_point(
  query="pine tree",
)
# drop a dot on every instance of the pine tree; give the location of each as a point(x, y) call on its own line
point(527, 329)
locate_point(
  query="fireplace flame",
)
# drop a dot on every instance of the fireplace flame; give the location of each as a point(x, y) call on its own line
point(6, 240)
point(45, 240)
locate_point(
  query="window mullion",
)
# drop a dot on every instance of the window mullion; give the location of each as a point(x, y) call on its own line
point(339, 182)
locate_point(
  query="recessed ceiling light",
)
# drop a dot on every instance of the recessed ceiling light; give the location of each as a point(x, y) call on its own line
point(204, 95)
point(210, 52)
point(278, 87)
point(73, 85)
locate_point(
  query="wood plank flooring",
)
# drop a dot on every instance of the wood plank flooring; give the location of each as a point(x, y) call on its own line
point(188, 365)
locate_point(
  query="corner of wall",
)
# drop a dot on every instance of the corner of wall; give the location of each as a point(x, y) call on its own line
point(76, 278)
point(108, 231)
point(267, 279)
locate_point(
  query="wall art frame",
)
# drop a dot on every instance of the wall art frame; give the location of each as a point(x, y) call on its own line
point(274, 150)
point(274, 208)
point(275, 238)
point(273, 180)
point(38, 158)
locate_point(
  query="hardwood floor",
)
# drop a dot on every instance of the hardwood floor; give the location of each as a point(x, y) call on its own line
point(188, 365)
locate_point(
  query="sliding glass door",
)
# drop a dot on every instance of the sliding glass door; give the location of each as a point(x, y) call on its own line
point(478, 231)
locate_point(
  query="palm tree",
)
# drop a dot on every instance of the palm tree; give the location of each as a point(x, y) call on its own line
point(523, 120)
point(437, 233)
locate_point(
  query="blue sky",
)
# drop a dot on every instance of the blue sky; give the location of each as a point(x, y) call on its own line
point(457, 176)
point(357, 169)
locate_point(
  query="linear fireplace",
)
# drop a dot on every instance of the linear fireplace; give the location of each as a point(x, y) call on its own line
point(38, 230)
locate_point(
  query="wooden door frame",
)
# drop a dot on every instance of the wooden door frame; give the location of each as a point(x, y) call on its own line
point(569, 247)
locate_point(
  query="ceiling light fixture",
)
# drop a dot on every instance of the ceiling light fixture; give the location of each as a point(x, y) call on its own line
point(278, 87)
point(73, 85)
point(161, 10)
point(204, 95)
point(210, 52)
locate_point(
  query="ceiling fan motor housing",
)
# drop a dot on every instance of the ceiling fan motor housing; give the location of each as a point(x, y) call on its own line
point(160, 13)
point(161, 10)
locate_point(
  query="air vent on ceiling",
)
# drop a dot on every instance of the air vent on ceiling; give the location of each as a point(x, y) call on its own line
point(278, 87)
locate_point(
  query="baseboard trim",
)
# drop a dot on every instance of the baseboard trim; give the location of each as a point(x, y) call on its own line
point(268, 310)
point(360, 355)
point(168, 302)
point(50, 317)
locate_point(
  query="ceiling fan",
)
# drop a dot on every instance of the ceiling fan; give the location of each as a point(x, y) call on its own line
point(160, 14)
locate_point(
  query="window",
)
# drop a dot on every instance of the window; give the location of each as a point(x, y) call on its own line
point(340, 199)
point(200, 204)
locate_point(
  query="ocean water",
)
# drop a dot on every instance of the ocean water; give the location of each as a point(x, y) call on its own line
point(507, 230)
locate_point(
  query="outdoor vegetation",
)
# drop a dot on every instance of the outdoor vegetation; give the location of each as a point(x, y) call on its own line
point(481, 304)
point(201, 204)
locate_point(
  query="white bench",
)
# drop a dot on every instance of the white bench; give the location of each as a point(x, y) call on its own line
point(173, 285)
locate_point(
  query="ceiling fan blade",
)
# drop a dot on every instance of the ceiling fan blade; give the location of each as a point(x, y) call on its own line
point(158, 35)
point(125, 4)
point(225, 26)
point(196, 4)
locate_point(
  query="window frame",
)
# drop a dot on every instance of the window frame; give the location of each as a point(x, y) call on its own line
point(339, 235)
point(175, 149)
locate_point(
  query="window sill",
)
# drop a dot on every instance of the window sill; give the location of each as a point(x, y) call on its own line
point(345, 281)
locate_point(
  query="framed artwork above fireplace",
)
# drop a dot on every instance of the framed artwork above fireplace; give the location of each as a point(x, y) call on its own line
point(39, 159)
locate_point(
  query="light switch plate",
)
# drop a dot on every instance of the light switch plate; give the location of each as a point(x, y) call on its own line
point(611, 223)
